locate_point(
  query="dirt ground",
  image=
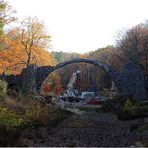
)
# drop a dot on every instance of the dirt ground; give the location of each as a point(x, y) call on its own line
point(87, 129)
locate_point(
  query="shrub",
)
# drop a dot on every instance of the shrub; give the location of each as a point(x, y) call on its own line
point(129, 104)
point(114, 105)
point(37, 114)
point(10, 124)
point(9, 120)
point(3, 88)
point(131, 114)
point(131, 110)
point(124, 107)
point(13, 121)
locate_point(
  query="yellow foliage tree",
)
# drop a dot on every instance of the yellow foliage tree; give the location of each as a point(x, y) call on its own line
point(28, 45)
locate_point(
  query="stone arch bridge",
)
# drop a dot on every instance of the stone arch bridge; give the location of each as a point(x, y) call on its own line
point(129, 81)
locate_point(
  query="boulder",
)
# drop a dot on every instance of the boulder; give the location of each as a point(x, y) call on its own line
point(58, 102)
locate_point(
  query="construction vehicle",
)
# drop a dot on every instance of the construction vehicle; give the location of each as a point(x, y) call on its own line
point(70, 93)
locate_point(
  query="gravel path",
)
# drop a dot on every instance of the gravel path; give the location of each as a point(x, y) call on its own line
point(88, 129)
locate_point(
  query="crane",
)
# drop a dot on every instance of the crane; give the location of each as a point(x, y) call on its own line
point(70, 92)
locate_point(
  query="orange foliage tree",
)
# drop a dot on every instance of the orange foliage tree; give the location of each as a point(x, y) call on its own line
point(52, 85)
point(31, 35)
point(27, 45)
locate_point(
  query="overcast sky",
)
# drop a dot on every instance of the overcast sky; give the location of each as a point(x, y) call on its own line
point(83, 25)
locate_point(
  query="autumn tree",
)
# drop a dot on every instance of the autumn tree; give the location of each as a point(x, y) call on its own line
point(133, 46)
point(26, 44)
point(52, 85)
point(27, 47)
point(31, 35)
point(128, 42)
point(144, 48)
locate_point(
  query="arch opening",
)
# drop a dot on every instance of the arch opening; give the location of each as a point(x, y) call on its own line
point(107, 69)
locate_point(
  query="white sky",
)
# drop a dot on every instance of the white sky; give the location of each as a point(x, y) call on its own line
point(83, 25)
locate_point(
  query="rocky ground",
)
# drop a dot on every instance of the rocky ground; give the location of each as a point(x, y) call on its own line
point(87, 129)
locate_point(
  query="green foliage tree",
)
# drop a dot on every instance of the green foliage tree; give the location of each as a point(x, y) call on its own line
point(59, 56)
point(6, 17)
point(6, 14)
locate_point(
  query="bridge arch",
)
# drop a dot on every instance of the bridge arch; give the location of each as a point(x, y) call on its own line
point(130, 80)
point(112, 72)
point(97, 63)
